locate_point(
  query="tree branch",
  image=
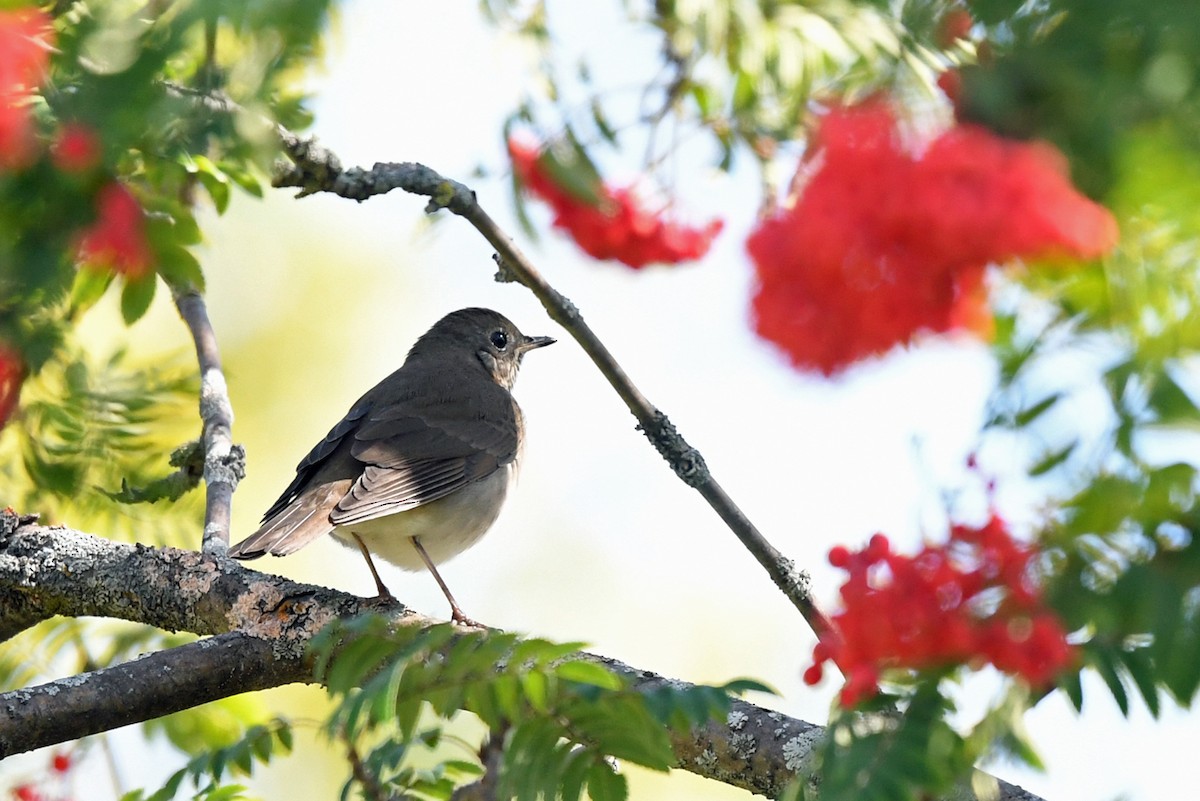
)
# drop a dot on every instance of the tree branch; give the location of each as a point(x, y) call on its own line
point(263, 624)
point(315, 169)
point(145, 688)
point(224, 462)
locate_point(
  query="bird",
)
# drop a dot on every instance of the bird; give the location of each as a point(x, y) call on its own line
point(418, 469)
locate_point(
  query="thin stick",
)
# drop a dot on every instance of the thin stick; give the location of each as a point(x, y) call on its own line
point(224, 462)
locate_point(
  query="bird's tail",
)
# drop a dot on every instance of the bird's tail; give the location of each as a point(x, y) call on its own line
point(294, 526)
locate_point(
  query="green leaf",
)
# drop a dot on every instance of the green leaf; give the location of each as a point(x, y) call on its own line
point(591, 673)
point(263, 744)
point(1073, 687)
point(218, 190)
point(1170, 403)
point(1181, 668)
point(358, 658)
point(601, 122)
point(136, 297)
point(536, 689)
point(744, 93)
point(245, 179)
point(1140, 667)
point(703, 97)
point(745, 685)
point(180, 269)
point(88, 287)
point(1027, 416)
point(1106, 666)
point(214, 180)
point(605, 784)
point(284, 734)
point(621, 726)
point(1052, 460)
point(574, 773)
point(243, 758)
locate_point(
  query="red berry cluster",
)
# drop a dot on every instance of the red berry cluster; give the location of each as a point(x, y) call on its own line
point(617, 226)
point(117, 239)
point(882, 244)
point(60, 765)
point(76, 149)
point(12, 373)
point(25, 36)
point(970, 601)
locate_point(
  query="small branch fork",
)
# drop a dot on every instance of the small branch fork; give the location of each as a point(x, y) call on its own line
point(258, 628)
point(315, 169)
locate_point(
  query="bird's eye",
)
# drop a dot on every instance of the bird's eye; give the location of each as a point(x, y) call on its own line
point(499, 339)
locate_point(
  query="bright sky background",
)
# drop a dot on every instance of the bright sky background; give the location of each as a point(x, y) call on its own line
point(601, 542)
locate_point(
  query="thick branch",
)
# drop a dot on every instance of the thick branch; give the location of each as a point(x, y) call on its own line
point(317, 170)
point(263, 624)
point(224, 462)
point(150, 687)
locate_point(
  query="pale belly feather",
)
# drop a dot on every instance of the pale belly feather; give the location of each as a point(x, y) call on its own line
point(447, 526)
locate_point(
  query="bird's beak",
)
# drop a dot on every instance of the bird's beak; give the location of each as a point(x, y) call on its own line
point(536, 342)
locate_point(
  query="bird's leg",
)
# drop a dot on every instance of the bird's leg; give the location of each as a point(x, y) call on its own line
point(456, 614)
point(384, 593)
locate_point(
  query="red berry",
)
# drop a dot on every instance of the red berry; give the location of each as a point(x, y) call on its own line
point(839, 556)
point(954, 26)
point(61, 763)
point(878, 548)
point(12, 373)
point(26, 792)
point(812, 676)
point(76, 148)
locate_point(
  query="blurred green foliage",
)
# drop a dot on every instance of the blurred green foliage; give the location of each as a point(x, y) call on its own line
point(207, 772)
point(1086, 73)
point(557, 717)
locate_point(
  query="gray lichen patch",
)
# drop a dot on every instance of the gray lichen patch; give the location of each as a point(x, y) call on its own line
point(706, 760)
point(743, 745)
point(798, 751)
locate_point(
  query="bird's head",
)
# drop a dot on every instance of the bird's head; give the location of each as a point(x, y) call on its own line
point(486, 335)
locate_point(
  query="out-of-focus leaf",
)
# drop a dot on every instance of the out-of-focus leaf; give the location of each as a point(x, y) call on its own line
point(89, 286)
point(1027, 416)
point(180, 269)
point(1052, 460)
point(136, 297)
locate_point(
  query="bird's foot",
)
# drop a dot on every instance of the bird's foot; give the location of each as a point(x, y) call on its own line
point(382, 599)
point(457, 617)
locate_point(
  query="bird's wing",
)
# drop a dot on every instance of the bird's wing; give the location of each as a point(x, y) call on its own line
point(421, 448)
point(301, 514)
point(319, 458)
